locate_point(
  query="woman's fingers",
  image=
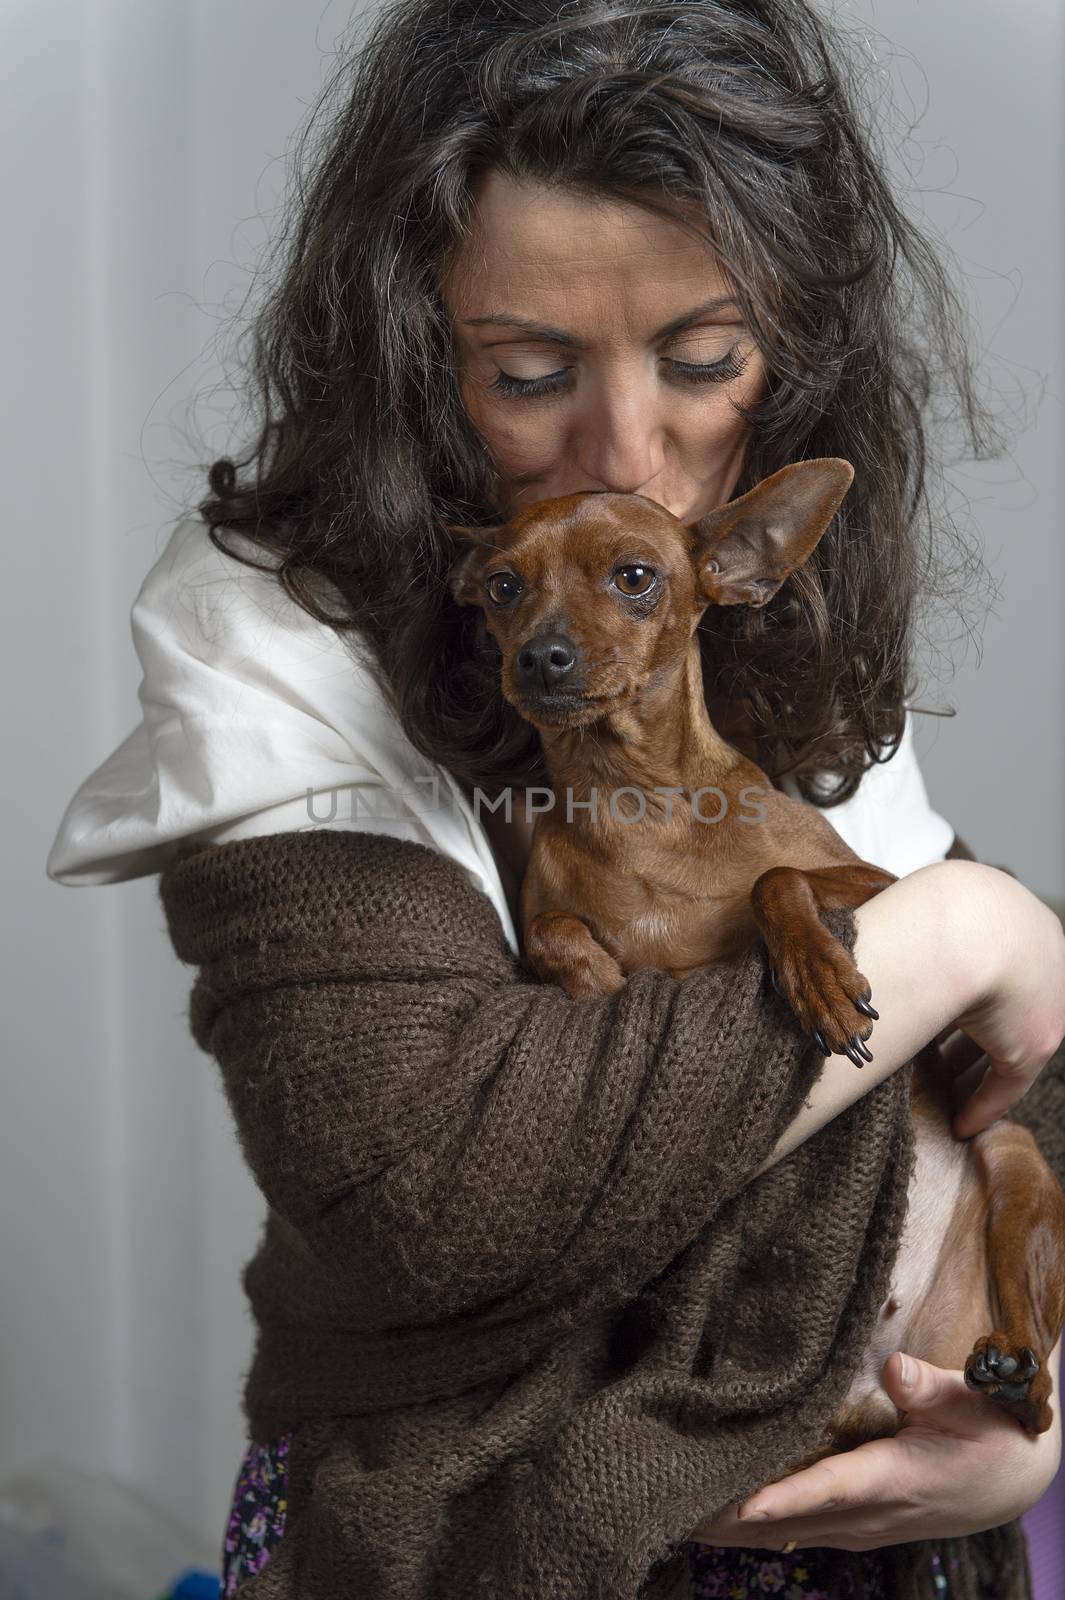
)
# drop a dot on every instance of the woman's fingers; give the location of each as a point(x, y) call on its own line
point(849, 1526)
point(837, 1484)
point(998, 1089)
point(956, 1050)
point(916, 1385)
point(726, 1528)
point(811, 1533)
point(964, 1067)
point(961, 1064)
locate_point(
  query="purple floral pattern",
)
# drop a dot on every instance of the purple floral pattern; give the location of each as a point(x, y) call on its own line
point(257, 1517)
point(719, 1572)
point(722, 1573)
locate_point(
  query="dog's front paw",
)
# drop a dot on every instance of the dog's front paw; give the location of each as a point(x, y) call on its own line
point(824, 989)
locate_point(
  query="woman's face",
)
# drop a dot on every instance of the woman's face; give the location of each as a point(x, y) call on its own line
point(618, 406)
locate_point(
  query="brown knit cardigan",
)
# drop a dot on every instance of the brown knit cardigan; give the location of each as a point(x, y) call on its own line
point(518, 1294)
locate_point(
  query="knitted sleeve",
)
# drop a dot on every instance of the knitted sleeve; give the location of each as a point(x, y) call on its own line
point(1042, 1111)
point(424, 1110)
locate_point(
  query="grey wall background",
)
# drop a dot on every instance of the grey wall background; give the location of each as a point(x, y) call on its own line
point(143, 152)
point(988, 165)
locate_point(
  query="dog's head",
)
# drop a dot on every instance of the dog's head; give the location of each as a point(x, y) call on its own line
point(591, 596)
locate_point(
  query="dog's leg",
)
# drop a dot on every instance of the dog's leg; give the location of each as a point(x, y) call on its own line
point(811, 969)
point(561, 949)
point(1025, 1220)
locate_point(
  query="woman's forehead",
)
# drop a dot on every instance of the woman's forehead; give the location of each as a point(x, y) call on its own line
point(541, 246)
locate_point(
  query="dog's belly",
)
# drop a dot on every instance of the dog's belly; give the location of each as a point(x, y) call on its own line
point(939, 1302)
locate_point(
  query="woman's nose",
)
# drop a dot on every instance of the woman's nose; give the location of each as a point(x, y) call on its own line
point(622, 444)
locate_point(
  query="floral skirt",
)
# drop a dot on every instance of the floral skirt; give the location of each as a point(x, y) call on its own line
point(260, 1501)
point(257, 1516)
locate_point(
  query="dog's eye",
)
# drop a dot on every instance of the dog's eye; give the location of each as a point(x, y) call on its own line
point(502, 587)
point(641, 579)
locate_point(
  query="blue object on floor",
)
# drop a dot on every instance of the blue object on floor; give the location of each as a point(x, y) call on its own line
point(197, 1585)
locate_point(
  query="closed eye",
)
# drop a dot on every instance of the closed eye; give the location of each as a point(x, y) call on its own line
point(723, 371)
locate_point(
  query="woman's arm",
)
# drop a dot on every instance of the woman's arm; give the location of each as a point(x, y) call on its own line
point(395, 1077)
point(905, 932)
point(954, 940)
point(1042, 1110)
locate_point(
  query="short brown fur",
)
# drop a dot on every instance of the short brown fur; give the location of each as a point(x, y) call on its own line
point(717, 858)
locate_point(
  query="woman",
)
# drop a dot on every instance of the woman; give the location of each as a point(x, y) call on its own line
point(563, 248)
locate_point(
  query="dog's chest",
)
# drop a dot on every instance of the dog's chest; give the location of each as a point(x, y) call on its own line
point(675, 894)
point(680, 935)
point(658, 907)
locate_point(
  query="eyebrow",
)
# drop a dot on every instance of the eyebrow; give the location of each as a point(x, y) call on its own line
point(560, 336)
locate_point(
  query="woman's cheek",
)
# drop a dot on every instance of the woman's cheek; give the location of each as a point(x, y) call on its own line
point(518, 445)
point(717, 436)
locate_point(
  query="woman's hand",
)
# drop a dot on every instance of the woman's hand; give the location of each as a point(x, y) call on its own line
point(959, 1464)
point(1017, 1022)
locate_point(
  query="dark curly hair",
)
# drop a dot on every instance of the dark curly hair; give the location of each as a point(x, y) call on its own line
point(750, 110)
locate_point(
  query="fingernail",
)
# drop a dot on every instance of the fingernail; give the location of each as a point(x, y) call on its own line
point(748, 1513)
point(908, 1372)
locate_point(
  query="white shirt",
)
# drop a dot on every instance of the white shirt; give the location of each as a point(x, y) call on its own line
point(258, 719)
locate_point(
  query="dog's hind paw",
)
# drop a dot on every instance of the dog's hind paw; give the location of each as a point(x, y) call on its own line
point(999, 1375)
point(1012, 1375)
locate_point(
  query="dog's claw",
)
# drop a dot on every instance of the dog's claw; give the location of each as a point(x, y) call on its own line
point(866, 1008)
point(776, 983)
point(819, 1041)
point(849, 1050)
point(859, 1044)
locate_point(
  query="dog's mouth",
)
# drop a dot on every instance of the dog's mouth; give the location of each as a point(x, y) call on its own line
point(562, 705)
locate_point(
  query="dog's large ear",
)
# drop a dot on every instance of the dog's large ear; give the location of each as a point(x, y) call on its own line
point(745, 550)
point(471, 547)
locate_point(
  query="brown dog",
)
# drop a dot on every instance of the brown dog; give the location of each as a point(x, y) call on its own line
point(667, 848)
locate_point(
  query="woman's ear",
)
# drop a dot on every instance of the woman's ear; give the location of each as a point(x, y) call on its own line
point(471, 546)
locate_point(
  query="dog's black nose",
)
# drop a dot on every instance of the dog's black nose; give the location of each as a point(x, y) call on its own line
point(544, 661)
